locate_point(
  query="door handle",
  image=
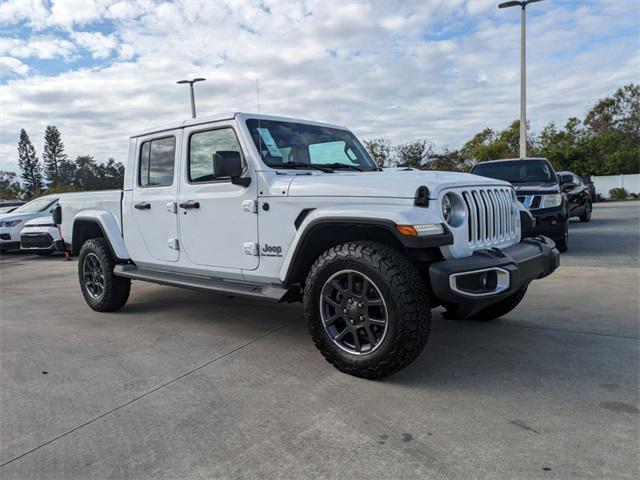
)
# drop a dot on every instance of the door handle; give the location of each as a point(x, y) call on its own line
point(190, 204)
point(143, 206)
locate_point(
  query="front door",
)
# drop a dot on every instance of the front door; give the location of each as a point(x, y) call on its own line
point(155, 189)
point(218, 220)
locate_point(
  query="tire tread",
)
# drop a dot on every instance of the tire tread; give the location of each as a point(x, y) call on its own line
point(410, 300)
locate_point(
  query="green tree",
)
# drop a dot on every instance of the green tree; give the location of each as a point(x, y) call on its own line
point(491, 145)
point(619, 113)
point(89, 175)
point(53, 155)
point(413, 154)
point(9, 186)
point(29, 166)
point(380, 150)
point(448, 161)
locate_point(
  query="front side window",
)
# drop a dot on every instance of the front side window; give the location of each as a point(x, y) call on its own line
point(290, 144)
point(203, 146)
point(157, 159)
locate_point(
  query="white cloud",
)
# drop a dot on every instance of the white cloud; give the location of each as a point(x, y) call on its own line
point(442, 69)
point(43, 47)
point(12, 66)
point(98, 44)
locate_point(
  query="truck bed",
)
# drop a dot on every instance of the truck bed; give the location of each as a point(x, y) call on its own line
point(74, 203)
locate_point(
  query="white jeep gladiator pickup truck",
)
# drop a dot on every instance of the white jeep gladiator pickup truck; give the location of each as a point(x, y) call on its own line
point(285, 209)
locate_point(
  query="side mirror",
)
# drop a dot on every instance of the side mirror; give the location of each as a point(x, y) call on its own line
point(229, 164)
point(566, 187)
point(565, 179)
point(56, 213)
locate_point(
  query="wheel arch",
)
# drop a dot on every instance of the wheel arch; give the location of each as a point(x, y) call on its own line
point(322, 233)
point(92, 224)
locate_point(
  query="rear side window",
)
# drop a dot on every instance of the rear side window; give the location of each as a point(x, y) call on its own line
point(202, 147)
point(157, 159)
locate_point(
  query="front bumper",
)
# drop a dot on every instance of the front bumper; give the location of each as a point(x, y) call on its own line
point(40, 238)
point(489, 276)
point(550, 222)
point(9, 238)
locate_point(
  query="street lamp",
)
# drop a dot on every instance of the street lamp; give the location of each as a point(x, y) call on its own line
point(193, 101)
point(523, 72)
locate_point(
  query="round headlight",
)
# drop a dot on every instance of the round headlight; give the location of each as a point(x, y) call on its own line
point(447, 208)
point(453, 209)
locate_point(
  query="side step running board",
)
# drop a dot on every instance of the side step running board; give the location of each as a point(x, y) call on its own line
point(216, 285)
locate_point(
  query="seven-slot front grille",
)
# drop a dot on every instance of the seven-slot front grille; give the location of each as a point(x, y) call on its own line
point(491, 215)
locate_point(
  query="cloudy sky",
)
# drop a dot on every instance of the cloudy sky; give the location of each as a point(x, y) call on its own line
point(441, 69)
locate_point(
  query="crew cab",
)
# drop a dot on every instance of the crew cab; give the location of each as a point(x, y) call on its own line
point(538, 189)
point(285, 209)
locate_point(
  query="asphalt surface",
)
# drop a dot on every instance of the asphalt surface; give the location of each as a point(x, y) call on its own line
point(181, 384)
point(610, 239)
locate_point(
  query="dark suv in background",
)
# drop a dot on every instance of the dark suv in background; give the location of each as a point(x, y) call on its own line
point(538, 189)
point(578, 194)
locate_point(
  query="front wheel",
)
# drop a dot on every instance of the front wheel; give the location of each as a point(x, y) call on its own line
point(102, 290)
point(366, 308)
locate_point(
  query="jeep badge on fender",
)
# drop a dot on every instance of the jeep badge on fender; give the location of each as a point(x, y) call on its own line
point(271, 251)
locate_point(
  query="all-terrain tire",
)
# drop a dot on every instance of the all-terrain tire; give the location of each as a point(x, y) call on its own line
point(115, 290)
point(586, 216)
point(402, 290)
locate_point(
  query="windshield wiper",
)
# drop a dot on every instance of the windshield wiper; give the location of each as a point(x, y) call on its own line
point(338, 166)
point(326, 169)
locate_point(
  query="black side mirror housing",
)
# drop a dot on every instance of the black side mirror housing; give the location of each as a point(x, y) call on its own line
point(56, 214)
point(566, 187)
point(564, 178)
point(229, 164)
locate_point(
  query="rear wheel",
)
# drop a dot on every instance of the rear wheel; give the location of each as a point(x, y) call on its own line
point(586, 216)
point(102, 290)
point(367, 309)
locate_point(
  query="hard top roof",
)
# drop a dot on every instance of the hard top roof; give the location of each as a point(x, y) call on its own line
point(228, 116)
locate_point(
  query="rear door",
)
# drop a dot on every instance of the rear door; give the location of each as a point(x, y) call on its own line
point(218, 219)
point(153, 233)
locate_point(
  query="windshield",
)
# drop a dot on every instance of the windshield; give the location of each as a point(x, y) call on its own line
point(517, 171)
point(37, 205)
point(288, 144)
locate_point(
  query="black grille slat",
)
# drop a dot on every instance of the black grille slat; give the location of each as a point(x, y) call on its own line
point(42, 240)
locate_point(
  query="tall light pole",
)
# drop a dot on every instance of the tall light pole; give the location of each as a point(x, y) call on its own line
point(193, 101)
point(523, 70)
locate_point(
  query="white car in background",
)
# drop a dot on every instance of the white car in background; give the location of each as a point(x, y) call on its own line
point(11, 224)
point(41, 236)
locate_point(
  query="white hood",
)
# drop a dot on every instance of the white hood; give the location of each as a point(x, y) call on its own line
point(4, 217)
point(34, 222)
point(388, 183)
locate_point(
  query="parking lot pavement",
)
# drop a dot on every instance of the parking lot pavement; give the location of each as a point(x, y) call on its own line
point(182, 384)
point(610, 239)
